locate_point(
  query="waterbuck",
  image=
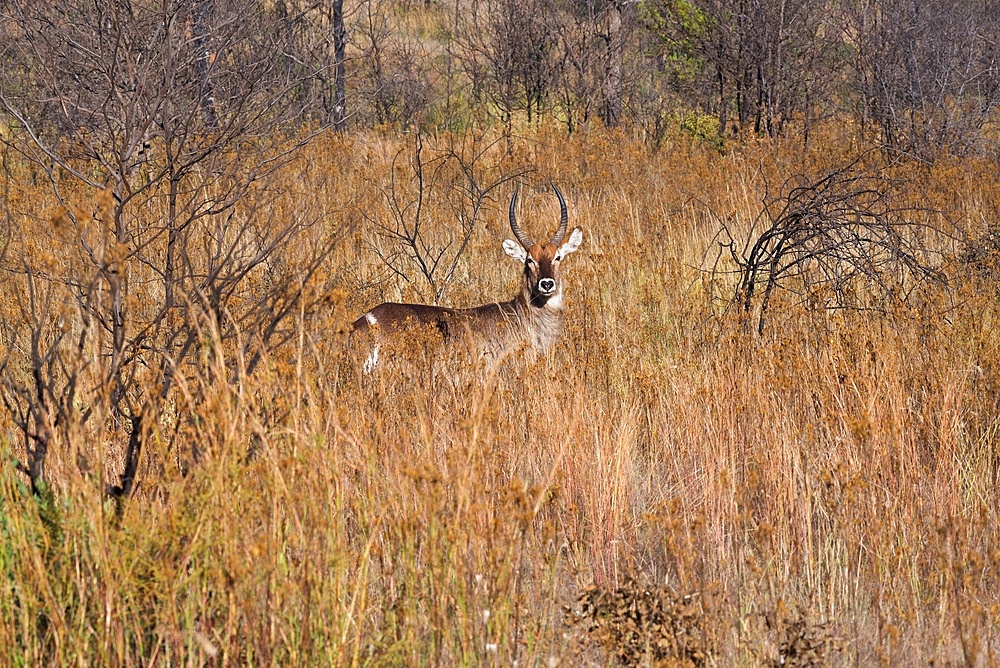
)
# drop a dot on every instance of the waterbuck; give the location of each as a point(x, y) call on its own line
point(533, 316)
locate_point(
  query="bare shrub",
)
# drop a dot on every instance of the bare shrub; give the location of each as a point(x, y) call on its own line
point(641, 626)
point(759, 65)
point(461, 175)
point(507, 48)
point(926, 73)
point(800, 641)
point(841, 241)
point(393, 78)
point(159, 129)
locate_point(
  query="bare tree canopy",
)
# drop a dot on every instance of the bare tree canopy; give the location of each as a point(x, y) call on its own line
point(927, 74)
point(172, 117)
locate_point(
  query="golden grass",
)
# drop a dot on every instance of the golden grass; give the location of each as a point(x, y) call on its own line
point(826, 492)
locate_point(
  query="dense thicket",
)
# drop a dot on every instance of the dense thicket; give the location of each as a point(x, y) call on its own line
point(918, 76)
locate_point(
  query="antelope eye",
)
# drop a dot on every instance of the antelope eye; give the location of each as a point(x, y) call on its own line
point(557, 258)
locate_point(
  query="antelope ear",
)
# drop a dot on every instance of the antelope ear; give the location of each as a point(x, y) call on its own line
point(575, 239)
point(514, 250)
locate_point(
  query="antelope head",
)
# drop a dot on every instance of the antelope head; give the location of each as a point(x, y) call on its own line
point(542, 283)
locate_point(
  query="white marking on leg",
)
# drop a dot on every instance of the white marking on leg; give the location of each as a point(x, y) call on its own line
point(372, 359)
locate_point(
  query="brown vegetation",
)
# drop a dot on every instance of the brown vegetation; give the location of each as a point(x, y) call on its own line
point(666, 486)
point(767, 434)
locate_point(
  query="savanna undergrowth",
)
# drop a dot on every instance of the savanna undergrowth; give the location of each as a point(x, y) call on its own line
point(666, 487)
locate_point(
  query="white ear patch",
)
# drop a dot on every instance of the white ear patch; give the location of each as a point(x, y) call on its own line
point(514, 250)
point(575, 239)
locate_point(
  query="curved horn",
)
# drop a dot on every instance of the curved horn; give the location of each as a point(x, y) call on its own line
point(522, 238)
point(563, 218)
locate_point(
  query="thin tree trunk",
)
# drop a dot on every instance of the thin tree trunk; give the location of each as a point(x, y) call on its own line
point(722, 100)
point(203, 61)
point(613, 80)
point(116, 288)
point(339, 49)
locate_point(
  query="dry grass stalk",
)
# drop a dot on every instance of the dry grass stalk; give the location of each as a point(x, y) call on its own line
point(842, 463)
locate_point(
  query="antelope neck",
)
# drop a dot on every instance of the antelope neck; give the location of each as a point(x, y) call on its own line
point(540, 316)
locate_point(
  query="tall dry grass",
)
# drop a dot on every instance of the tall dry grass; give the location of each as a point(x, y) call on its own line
point(663, 488)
